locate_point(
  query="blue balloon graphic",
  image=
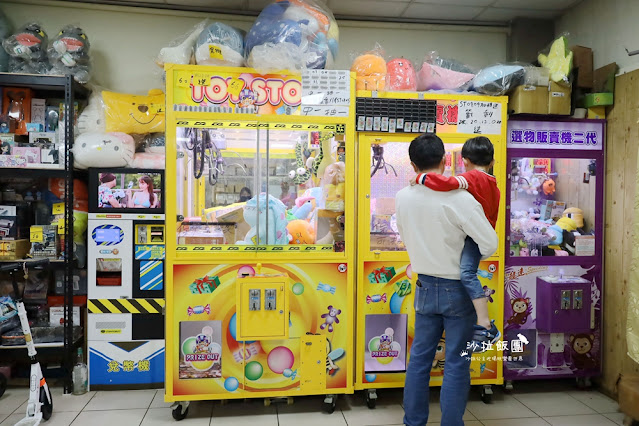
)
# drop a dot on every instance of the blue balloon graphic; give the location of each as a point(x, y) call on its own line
point(233, 330)
point(395, 303)
point(231, 384)
point(371, 377)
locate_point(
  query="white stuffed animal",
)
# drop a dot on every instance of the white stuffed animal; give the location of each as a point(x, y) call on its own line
point(96, 149)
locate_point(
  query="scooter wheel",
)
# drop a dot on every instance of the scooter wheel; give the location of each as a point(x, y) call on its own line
point(3, 384)
point(47, 406)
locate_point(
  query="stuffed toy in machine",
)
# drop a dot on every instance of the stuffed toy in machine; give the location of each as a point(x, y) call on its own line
point(575, 214)
point(400, 75)
point(271, 233)
point(371, 71)
point(293, 35)
point(5, 31)
point(27, 49)
point(333, 186)
point(220, 44)
point(113, 149)
point(439, 73)
point(499, 79)
point(69, 54)
point(300, 232)
point(134, 113)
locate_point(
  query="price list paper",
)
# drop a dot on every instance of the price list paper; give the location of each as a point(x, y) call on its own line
point(326, 93)
point(476, 117)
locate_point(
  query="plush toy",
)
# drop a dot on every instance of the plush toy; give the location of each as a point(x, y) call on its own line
point(27, 50)
point(334, 187)
point(300, 232)
point(558, 61)
point(114, 149)
point(275, 210)
point(371, 72)
point(220, 44)
point(91, 119)
point(499, 79)
point(292, 34)
point(148, 160)
point(400, 75)
point(69, 53)
point(443, 74)
point(549, 187)
point(5, 30)
point(303, 207)
point(575, 214)
point(181, 50)
point(134, 113)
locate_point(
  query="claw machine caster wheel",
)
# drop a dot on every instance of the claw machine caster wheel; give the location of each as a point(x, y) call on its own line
point(267, 402)
point(486, 392)
point(223, 402)
point(330, 401)
point(371, 398)
point(584, 383)
point(3, 384)
point(508, 386)
point(289, 400)
point(180, 410)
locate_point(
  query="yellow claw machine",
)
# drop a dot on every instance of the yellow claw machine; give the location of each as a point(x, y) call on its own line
point(261, 210)
point(386, 124)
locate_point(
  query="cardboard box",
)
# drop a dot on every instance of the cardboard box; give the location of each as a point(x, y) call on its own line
point(582, 60)
point(529, 100)
point(14, 249)
point(628, 388)
point(597, 112)
point(604, 78)
point(237, 233)
point(598, 99)
point(56, 315)
point(558, 99)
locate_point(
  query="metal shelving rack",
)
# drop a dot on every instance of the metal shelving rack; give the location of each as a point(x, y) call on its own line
point(53, 86)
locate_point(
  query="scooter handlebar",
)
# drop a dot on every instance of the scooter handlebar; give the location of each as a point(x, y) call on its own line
point(16, 266)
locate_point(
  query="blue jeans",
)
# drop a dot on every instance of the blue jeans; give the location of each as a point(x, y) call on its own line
point(469, 264)
point(440, 304)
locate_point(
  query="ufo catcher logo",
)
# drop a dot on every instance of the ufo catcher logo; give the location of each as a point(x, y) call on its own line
point(200, 349)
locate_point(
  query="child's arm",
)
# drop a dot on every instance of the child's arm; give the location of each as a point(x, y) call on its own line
point(440, 182)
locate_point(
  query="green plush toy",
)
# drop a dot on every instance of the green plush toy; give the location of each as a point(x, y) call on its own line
point(558, 61)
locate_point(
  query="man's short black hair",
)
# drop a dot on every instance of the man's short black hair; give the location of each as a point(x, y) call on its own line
point(479, 151)
point(426, 151)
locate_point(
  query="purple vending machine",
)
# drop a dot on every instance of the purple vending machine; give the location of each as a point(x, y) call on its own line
point(553, 276)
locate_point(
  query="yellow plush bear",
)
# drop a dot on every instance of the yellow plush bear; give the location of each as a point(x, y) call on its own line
point(134, 113)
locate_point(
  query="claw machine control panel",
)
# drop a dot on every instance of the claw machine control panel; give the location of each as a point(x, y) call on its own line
point(260, 214)
point(553, 282)
point(126, 252)
point(387, 123)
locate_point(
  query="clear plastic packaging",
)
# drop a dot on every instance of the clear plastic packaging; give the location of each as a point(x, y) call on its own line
point(130, 114)
point(5, 31)
point(99, 149)
point(69, 54)
point(557, 58)
point(8, 314)
point(438, 73)
point(220, 44)
point(371, 70)
point(292, 35)
point(180, 50)
point(27, 49)
point(400, 75)
point(499, 79)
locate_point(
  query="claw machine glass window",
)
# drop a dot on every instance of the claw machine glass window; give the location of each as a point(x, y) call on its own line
point(391, 170)
point(270, 187)
point(552, 207)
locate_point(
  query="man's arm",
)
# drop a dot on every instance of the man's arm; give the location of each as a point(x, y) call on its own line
point(440, 182)
point(481, 231)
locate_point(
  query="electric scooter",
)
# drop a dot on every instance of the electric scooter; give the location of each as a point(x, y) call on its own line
point(40, 404)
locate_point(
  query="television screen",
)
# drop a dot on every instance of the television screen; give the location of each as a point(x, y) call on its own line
point(122, 190)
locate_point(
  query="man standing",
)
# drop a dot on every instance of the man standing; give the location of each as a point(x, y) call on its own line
point(433, 226)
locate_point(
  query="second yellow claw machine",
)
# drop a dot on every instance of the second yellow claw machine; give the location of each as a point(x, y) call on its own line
point(260, 266)
point(386, 124)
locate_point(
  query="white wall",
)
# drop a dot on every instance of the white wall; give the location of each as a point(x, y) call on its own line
point(125, 40)
point(606, 26)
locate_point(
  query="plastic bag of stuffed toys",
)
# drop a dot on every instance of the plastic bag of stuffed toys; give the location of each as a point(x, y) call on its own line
point(439, 73)
point(292, 35)
point(206, 44)
point(557, 58)
point(370, 69)
point(27, 49)
point(69, 54)
point(5, 31)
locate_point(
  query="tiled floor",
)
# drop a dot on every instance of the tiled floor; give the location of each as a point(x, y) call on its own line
point(530, 404)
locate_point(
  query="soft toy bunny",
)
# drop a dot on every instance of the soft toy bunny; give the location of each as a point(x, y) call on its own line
point(273, 212)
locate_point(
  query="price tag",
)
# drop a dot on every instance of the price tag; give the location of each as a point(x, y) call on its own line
point(61, 228)
point(215, 52)
point(156, 109)
point(201, 79)
point(183, 80)
point(58, 208)
point(235, 87)
point(36, 235)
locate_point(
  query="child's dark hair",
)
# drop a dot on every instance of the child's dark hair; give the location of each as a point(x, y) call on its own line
point(107, 177)
point(426, 151)
point(479, 151)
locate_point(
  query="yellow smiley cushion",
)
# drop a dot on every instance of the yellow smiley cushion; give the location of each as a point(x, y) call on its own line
point(134, 113)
